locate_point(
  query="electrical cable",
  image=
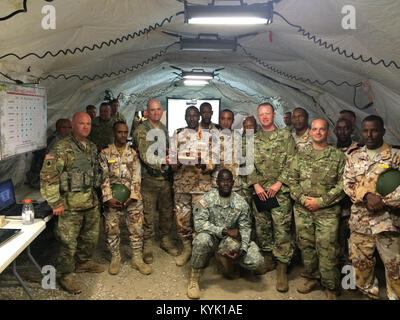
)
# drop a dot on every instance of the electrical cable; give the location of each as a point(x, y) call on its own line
point(96, 46)
point(342, 52)
point(15, 12)
point(108, 75)
point(294, 77)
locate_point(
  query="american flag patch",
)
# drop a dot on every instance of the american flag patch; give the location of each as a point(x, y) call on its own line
point(50, 157)
point(203, 203)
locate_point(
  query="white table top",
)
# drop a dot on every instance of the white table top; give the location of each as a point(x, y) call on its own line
point(11, 249)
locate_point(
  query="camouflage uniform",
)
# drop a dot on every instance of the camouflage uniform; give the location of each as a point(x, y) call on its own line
point(156, 187)
point(210, 218)
point(190, 180)
point(344, 231)
point(118, 117)
point(122, 169)
point(227, 137)
point(370, 230)
point(273, 152)
point(69, 175)
point(102, 132)
point(303, 141)
point(318, 174)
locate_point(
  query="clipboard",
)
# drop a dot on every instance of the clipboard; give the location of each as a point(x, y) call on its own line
point(267, 205)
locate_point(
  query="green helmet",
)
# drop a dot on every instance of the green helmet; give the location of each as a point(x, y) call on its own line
point(388, 182)
point(120, 192)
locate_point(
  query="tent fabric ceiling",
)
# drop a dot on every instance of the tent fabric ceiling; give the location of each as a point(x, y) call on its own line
point(276, 56)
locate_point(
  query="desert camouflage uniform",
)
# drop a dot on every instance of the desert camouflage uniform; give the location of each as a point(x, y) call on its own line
point(345, 204)
point(191, 180)
point(273, 152)
point(227, 161)
point(210, 218)
point(318, 174)
point(122, 169)
point(156, 185)
point(68, 178)
point(118, 117)
point(303, 141)
point(102, 132)
point(370, 230)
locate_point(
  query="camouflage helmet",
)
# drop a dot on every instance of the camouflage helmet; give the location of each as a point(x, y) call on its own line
point(388, 182)
point(229, 244)
point(120, 192)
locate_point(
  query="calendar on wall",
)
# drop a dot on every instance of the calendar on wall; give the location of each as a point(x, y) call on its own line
point(23, 119)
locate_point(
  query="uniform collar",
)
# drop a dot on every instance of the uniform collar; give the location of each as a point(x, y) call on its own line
point(383, 155)
point(304, 137)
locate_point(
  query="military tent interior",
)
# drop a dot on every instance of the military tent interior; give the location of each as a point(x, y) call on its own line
point(133, 48)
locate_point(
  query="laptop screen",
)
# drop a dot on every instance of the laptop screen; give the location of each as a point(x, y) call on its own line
point(7, 196)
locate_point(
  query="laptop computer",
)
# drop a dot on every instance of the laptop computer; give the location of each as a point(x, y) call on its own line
point(10, 207)
point(7, 234)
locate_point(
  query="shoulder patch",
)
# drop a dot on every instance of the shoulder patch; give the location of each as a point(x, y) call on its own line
point(50, 156)
point(203, 203)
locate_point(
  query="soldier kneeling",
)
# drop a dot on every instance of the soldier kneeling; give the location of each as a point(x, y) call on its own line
point(223, 224)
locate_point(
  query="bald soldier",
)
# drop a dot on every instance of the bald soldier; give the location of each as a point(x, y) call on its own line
point(68, 178)
point(316, 185)
point(156, 187)
point(273, 151)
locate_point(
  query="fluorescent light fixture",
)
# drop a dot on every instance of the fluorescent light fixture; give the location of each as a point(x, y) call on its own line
point(199, 44)
point(259, 13)
point(197, 75)
point(195, 82)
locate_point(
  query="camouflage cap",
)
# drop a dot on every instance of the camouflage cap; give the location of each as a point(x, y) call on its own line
point(229, 244)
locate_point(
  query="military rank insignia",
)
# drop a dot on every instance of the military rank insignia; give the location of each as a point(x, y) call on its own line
point(203, 203)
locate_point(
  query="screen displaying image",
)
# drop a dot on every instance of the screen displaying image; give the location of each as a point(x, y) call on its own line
point(176, 111)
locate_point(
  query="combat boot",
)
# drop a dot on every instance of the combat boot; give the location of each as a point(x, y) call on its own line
point(69, 284)
point(115, 264)
point(281, 277)
point(167, 245)
point(268, 265)
point(231, 270)
point(89, 266)
point(307, 286)
point(138, 264)
point(185, 255)
point(331, 294)
point(193, 287)
point(148, 251)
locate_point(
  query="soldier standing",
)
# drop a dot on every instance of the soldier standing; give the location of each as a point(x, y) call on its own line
point(345, 143)
point(374, 221)
point(156, 185)
point(287, 119)
point(192, 176)
point(300, 131)
point(273, 150)
point(120, 166)
point(206, 113)
point(317, 188)
point(223, 224)
point(115, 114)
point(102, 127)
point(68, 178)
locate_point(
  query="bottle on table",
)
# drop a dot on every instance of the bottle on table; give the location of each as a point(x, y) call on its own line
point(28, 214)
